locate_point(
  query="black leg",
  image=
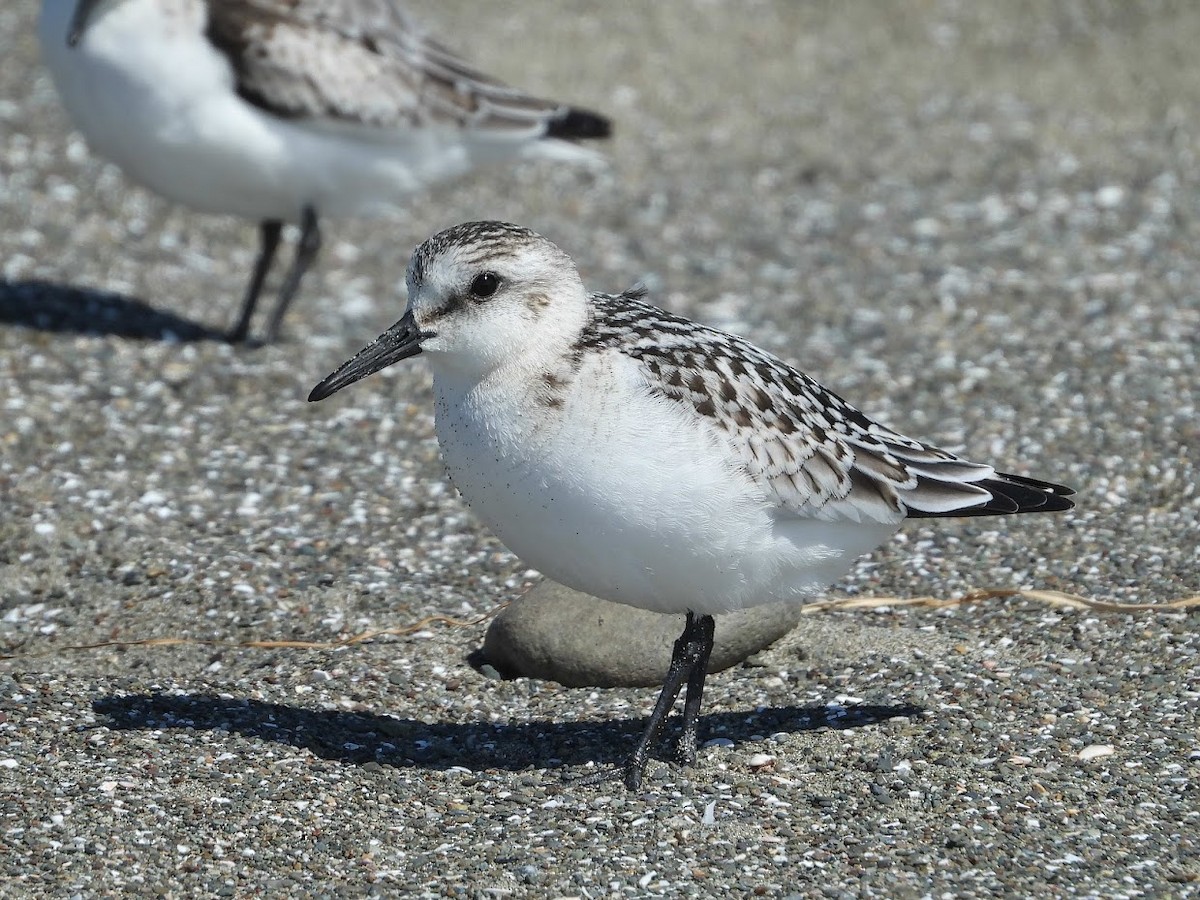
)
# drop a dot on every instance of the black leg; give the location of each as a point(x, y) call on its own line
point(692, 648)
point(306, 251)
point(269, 232)
point(685, 753)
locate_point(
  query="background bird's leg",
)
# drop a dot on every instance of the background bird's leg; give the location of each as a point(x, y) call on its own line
point(699, 649)
point(306, 251)
point(680, 669)
point(269, 232)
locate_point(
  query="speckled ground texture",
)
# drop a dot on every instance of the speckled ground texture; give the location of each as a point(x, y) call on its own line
point(978, 221)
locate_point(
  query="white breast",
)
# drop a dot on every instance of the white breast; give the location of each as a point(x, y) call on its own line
point(631, 497)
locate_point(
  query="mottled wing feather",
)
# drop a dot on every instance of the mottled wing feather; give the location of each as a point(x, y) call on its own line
point(363, 62)
point(812, 452)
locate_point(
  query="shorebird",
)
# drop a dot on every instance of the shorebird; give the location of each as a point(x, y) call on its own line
point(644, 458)
point(282, 111)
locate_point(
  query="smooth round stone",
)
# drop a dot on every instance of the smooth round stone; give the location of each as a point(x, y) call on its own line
point(561, 635)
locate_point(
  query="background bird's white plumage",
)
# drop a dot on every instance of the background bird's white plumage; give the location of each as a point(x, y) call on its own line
point(288, 111)
point(260, 108)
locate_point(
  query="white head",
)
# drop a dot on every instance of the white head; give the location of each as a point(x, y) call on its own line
point(481, 295)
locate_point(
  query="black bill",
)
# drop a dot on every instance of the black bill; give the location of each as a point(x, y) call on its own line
point(79, 21)
point(399, 342)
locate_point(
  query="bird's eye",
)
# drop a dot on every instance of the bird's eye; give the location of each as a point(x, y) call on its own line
point(485, 285)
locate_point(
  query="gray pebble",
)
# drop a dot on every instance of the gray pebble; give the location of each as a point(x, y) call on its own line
point(555, 633)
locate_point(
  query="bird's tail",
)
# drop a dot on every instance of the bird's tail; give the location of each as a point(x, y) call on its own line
point(575, 124)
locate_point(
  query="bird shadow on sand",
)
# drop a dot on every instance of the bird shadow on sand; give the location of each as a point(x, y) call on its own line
point(359, 738)
point(65, 309)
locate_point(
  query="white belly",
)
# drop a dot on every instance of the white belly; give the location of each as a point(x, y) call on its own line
point(626, 497)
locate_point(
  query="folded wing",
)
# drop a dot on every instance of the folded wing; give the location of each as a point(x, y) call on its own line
point(815, 454)
point(366, 62)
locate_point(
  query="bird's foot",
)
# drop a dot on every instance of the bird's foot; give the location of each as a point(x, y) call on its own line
point(603, 775)
point(238, 335)
point(685, 751)
point(631, 774)
point(240, 339)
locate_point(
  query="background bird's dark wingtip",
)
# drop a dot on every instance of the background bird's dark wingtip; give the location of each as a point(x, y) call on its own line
point(579, 125)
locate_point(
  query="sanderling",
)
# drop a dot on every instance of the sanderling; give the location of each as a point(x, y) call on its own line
point(644, 458)
point(284, 111)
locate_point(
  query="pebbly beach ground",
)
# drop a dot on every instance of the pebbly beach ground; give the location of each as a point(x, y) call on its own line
point(978, 222)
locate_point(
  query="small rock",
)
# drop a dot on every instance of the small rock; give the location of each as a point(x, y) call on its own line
point(760, 761)
point(1095, 751)
point(577, 640)
point(927, 228)
point(487, 670)
point(1110, 196)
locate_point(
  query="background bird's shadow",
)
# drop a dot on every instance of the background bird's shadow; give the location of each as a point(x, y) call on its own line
point(359, 738)
point(64, 309)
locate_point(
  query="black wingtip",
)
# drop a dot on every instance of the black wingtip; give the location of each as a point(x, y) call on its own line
point(579, 125)
point(1011, 494)
point(1032, 495)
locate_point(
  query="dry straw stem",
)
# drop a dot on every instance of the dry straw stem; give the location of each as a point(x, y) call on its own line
point(1051, 598)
